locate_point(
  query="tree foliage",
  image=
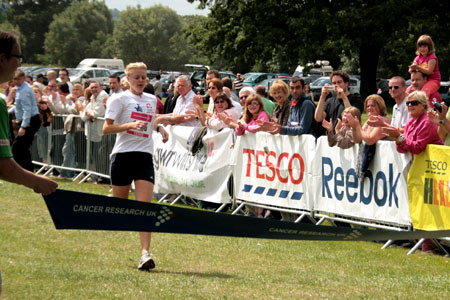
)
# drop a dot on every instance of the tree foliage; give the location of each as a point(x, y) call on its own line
point(152, 35)
point(78, 32)
point(276, 35)
point(33, 17)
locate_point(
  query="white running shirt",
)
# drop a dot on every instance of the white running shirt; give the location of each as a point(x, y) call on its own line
point(127, 107)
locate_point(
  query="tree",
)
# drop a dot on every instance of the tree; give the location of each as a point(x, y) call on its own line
point(33, 17)
point(78, 32)
point(152, 35)
point(248, 33)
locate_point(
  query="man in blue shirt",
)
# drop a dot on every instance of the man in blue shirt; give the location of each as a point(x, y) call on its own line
point(27, 114)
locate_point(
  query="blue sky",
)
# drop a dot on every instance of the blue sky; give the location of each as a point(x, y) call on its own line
point(182, 7)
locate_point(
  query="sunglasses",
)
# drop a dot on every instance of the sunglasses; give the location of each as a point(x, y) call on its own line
point(243, 97)
point(19, 57)
point(413, 102)
point(394, 87)
point(212, 88)
point(218, 102)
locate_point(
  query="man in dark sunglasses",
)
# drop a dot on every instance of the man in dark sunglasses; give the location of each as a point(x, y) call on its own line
point(397, 90)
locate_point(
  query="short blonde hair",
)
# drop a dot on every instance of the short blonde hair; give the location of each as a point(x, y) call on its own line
point(279, 85)
point(421, 97)
point(77, 85)
point(136, 65)
point(379, 102)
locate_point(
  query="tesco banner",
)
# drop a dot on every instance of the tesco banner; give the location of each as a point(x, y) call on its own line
point(274, 170)
point(203, 176)
point(381, 196)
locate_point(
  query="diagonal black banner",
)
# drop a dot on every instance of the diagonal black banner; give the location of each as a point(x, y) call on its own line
point(75, 210)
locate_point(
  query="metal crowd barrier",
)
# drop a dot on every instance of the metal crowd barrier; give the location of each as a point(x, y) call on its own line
point(72, 155)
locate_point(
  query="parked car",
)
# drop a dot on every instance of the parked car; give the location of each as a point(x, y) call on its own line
point(98, 74)
point(253, 78)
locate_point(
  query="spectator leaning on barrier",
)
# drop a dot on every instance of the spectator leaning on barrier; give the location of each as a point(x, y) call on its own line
point(374, 106)
point(344, 132)
point(301, 114)
point(27, 115)
point(222, 106)
point(269, 106)
point(10, 59)
point(184, 104)
point(419, 130)
point(253, 111)
point(397, 90)
point(333, 107)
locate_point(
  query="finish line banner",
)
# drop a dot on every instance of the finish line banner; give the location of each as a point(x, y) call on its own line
point(75, 210)
point(428, 189)
point(203, 176)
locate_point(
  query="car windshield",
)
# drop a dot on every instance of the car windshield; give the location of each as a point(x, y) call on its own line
point(321, 82)
point(252, 77)
point(75, 72)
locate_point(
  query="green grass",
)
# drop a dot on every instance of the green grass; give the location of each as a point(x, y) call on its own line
point(39, 262)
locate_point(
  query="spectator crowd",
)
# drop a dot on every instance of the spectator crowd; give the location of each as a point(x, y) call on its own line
point(418, 118)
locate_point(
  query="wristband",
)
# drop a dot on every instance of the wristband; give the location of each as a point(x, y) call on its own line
point(441, 122)
point(158, 126)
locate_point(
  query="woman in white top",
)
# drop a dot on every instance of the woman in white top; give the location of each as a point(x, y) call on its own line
point(131, 116)
point(222, 105)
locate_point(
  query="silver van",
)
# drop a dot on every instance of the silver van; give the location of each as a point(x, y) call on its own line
point(101, 75)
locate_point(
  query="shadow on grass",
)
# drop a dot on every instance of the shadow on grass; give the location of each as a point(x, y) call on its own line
point(197, 274)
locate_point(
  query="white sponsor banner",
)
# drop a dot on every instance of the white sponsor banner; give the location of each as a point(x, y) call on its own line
point(203, 176)
point(274, 170)
point(382, 196)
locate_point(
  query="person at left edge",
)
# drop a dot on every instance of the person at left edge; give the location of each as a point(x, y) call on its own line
point(10, 59)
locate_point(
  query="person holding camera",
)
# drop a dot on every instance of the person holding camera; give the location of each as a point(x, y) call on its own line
point(333, 107)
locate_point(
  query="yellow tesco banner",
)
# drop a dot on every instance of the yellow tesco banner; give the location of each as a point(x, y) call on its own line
point(428, 189)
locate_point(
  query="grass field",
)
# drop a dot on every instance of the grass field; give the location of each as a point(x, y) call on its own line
point(39, 262)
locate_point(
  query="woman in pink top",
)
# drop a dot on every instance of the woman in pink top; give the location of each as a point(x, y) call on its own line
point(419, 130)
point(253, 110)
point(427, 63)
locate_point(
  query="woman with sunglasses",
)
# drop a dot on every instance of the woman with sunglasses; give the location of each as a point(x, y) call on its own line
point(222, 106)
point(131, 116)
point(419, 130)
